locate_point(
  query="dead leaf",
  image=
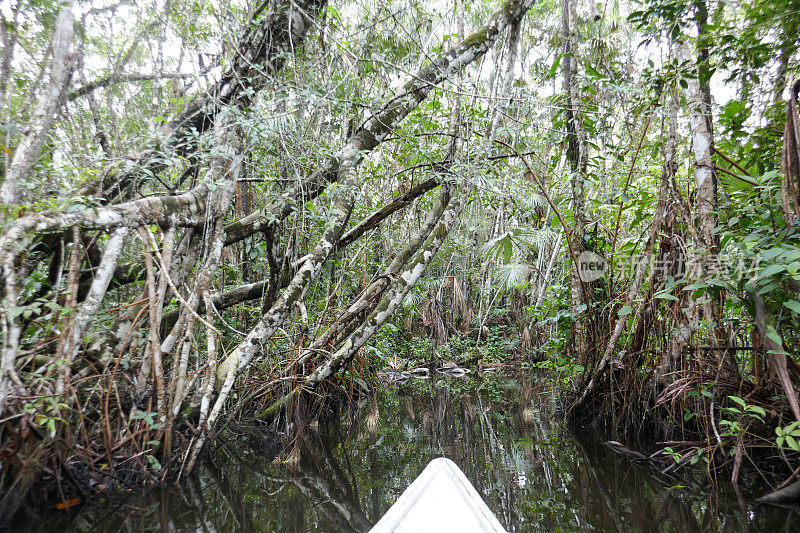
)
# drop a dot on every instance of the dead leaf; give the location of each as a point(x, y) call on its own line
point(66, 504)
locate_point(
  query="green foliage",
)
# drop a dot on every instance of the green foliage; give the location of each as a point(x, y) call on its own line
point(788, 436)
point(566, 369)
point(48, 412)
point(147, 418)
point(499, 274)
point(391, 343)
point(695, 455)
point(764, 253)
point(741, 415)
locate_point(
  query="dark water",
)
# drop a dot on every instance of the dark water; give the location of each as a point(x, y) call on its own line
point(532, 473)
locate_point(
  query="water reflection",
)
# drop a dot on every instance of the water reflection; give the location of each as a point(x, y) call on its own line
point(532, 473)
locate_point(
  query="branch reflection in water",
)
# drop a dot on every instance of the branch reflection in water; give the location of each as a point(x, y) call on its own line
point(533, 473)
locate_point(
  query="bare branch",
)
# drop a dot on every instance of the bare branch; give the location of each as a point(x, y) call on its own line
point(113, 80)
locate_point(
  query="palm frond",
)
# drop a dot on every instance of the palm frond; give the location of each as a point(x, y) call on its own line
point(412, 300)
point(535, 201)
point(512, 274)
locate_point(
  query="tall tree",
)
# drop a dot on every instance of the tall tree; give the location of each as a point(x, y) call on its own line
point(47, 107)
point(577, 157)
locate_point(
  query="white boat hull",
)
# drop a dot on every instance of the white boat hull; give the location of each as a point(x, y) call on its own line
point(440, 500)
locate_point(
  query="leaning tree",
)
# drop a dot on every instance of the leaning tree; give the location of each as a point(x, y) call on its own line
point(112, 346)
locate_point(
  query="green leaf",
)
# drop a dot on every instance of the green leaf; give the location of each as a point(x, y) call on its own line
point(771, 285)
point(154, 463)
point(794, 305)
point(665, 296)
point(591, 71)
point(738, 400)
point(772, 335)
point(771, 270)
point(625, 311)
point(554, 68)
point(696, 286)
point(778, 352)
point(771, 253)
point(14, 312)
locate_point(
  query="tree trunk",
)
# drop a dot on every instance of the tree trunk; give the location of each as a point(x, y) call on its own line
point(32, 142)
point(385, 309)
point(344, 170)
point(790, 162)
point(578, 161)
point(700, 117)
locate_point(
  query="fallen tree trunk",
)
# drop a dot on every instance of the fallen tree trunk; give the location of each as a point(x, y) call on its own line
point(403, 283)
point(369, 136)
point(185, 209)
point(788, 495)
point(257, 290)
point(366, 138)
point(368, 299)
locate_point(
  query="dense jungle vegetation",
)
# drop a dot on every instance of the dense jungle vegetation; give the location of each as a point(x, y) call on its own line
point(221, 211)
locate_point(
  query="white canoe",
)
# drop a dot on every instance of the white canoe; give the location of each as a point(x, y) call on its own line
point(440, 500)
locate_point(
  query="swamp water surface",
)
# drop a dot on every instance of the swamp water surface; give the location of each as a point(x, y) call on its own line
point(530, 470)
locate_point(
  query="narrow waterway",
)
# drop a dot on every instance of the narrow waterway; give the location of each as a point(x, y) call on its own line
point(533, 473)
